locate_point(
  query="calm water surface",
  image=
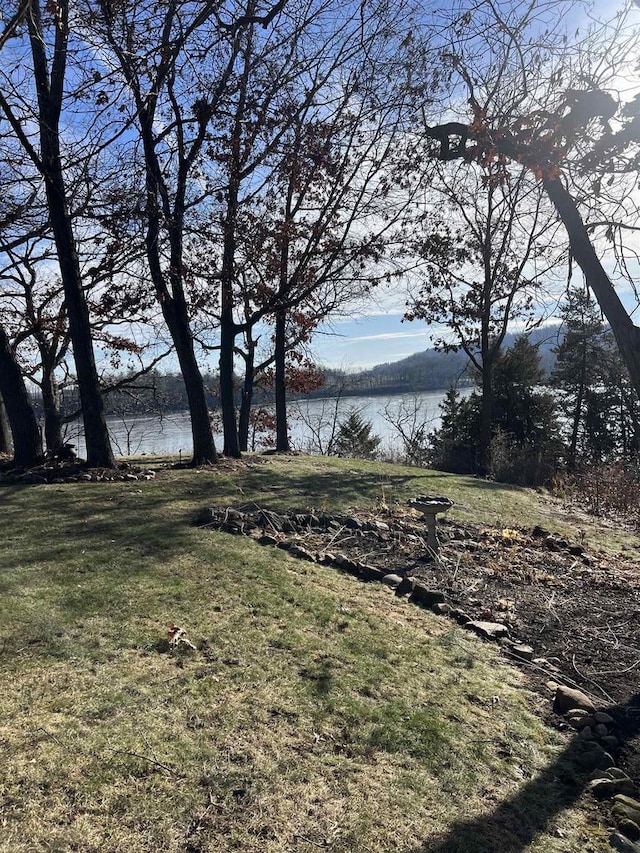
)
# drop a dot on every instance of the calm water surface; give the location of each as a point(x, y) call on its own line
point(311, 423)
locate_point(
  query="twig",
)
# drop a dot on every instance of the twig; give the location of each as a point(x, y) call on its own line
point(166, 767)
point(595, 683)
point(304, 838)
point(618, 671)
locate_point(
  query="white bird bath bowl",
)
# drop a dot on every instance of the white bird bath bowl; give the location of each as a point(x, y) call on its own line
point(430, 506)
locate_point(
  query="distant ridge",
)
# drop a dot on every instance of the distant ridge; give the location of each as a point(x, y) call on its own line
point(432, 370)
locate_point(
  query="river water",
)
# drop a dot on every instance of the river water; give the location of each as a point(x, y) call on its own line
point(311, 424)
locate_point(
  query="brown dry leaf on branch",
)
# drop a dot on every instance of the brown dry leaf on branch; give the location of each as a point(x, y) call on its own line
point(177, 636)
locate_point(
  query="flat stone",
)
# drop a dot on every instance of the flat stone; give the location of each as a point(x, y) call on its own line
point(608, 788)
point(622, 810)
point(442, 609)
point(393, 581)
point(627, 800)
point(629, 828)
point(369, 573)
point(488, 630)
point(609, 773)
point(265, 539)
point(460, 616)
point(610, 742)
point(523, 651)
point(425, 597)
point(603, 717)
point(622, 844)
point(346, 564)
point(567, 698)
point(594, 757)
point(601, 730)
point(302, 553)
point(405, 587)
point(580, 719)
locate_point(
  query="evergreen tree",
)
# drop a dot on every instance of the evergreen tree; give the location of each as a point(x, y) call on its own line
point(524, 447)
point(579, 373)
point(355, 437)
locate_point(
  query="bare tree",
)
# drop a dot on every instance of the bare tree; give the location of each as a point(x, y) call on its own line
point(485, 268)
point(563, 94)
point(33, 113)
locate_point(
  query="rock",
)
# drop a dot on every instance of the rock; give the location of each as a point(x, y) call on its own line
point(442, 609)
point(625, 799)
point(375, 526)
point(586, 733)
point(265, 539)
point(625, 812)
point(610, 773)
point(523, 651)
point(576, 550)
point(567, 698)
point(347, 565)
point(405, 587)
point(579, 718)
point(539, 532)
point(131, 477)
point(593, 756)
point(601, 730)
point(603, 717)
point(488, 630)
point(629, 828)
point(393, 581)
point(269, 521)
point(369, 573)
point(622, 844)
point(608, 788)
point(301, 553)
point(425, 597)
point(460, 616)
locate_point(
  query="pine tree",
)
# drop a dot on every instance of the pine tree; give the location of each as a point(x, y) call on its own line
point(355, 437)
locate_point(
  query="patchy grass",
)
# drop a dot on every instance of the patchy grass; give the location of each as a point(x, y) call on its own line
point(317, 712)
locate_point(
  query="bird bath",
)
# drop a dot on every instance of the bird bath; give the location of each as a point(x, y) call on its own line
point(430, 506)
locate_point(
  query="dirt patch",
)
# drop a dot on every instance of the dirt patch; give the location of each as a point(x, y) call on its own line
point(580, 612)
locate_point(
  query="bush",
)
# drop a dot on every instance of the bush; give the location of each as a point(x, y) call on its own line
point(606, 490)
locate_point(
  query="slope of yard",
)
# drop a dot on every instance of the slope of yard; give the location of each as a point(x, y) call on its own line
point(316, 712)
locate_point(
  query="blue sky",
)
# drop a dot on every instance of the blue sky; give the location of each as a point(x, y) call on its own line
point(369, 340)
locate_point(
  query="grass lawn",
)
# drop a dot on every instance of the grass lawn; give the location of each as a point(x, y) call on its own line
point(316, 713)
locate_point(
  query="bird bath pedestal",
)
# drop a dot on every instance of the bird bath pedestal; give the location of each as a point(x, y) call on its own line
point(430, 506)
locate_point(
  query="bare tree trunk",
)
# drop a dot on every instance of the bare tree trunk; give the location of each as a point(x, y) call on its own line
point(204, 450)
point(52, 418)
point(282, 426)
point(627, 335)
point(6, 444)
point(247, 399)
point(50, 88)
point(486, 418)
point(27, 443)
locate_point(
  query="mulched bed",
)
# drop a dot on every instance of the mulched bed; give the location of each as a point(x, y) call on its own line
point(580, 612)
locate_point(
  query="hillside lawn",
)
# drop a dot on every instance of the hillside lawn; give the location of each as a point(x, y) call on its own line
point(317, 712)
